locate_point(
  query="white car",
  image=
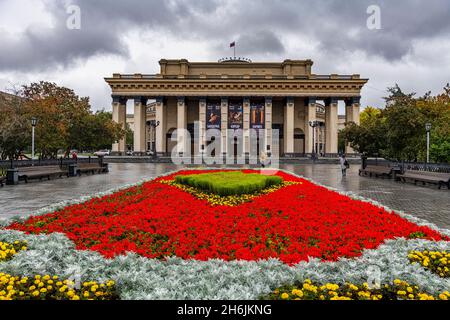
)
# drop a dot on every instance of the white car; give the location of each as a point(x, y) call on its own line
point(102, 153)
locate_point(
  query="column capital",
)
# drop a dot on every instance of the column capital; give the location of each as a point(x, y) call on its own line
point(181, 99)
point(352, 100)
point(140, 99)
point(290, 100)
point(246, 99)
point(160, 100)
point(331, 100)
point(311, 100)
point(268, 100)
point(224, 100)
point(202, 100)
point(119, 99)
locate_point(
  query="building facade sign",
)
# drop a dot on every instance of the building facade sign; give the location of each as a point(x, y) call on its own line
point(235, 116)
point(213, 116)
point(257, 116)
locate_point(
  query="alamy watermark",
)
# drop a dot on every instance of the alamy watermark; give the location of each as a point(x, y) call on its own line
point(374, 19)
point(73, 21)
point(230, 147)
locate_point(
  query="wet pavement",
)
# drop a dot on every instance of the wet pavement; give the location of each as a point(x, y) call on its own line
point(427, 203)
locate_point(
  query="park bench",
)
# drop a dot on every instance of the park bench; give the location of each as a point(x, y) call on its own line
point(438, 178)
point(377, 171)
point(40, 172)
point(2, 181)
point(90, 168)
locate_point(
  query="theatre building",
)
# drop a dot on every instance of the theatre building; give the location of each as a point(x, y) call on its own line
point(235, 95)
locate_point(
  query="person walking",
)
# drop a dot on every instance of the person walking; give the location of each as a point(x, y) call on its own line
point(344, 164)
point(263, 159)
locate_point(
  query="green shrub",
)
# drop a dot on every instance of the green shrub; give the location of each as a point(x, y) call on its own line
point(229, 183)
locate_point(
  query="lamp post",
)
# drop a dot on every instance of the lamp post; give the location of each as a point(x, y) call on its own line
point(153, 124)
point(313, 125)
point(34, 122)
point(428, 128)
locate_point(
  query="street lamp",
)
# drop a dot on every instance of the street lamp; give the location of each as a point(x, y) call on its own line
point(154, 124)
point(313, 125)
point(428, 128)
point(34, 122)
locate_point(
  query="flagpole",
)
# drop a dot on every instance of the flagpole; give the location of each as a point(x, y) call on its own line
point(234, 51)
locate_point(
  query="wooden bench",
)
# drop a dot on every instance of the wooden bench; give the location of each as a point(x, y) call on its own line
point(377, 171)
point(2, 181)
point(40, 172)
point(438, 178)
point(90, 168)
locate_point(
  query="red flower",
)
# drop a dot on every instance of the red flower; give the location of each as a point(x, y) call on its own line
point(292, 224)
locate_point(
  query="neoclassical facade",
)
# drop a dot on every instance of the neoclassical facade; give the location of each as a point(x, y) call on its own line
point(235, 96)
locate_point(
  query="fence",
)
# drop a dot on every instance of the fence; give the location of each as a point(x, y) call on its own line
point(62, 162)
point(416, 166)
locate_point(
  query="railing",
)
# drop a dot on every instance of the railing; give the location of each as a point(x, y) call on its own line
point(238, 77)
point(414, 166)
point(62, 162)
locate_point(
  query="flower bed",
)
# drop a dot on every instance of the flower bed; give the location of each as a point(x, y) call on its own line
point(52, 288)
point(435, 261)
point(8, 250)
point(293, 224)
point(398, 290)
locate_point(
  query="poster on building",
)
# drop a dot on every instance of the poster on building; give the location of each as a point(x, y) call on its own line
point(235, 116)
point(257, 116)
point(213, 116)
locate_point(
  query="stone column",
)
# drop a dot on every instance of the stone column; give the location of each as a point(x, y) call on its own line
point(224, 126)
point(331, 130)
point(161, 129)
point(289, 115)
point(268, 125)
point(310, 115)
point(202, 123)
point(120, 116)
point(140, 117)
point(181, 125)
point(352, 110)
point(246, 108)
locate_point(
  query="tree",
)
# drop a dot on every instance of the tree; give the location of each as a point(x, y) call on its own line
point(398, 131)
point(65, 122)
point(15, 125)
point(366, 138)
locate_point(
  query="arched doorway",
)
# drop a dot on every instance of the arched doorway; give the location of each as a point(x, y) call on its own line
point(299, 141)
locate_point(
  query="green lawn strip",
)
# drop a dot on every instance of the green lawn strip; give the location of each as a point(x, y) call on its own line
point(229, 183)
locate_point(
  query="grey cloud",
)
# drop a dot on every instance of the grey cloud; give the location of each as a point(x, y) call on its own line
point(338, 25)
point(261, 42)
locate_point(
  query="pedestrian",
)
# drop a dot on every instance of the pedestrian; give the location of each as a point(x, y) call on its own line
point(74, 156)
point(344, 165)
point(263, 159)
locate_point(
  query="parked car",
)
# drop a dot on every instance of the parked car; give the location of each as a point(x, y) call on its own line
point(102, 153)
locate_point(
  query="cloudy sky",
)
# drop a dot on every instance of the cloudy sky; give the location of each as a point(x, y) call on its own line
point(412, 48)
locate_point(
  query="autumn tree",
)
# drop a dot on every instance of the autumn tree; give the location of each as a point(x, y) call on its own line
point(15, 125)
point(65, 121)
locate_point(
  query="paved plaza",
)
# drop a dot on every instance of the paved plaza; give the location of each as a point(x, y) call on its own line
point(424, 202)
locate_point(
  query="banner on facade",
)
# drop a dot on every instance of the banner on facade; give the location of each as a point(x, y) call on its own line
point(257, 116)
point(213, 116)
point(235, 116)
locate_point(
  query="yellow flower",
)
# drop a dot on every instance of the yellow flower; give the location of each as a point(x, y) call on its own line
point(285, 296)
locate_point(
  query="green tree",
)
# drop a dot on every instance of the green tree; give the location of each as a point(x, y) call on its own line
point(368, 137)
point(398, 131)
